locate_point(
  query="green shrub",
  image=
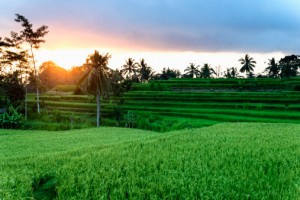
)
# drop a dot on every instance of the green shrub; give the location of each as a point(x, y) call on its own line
point(11, 118)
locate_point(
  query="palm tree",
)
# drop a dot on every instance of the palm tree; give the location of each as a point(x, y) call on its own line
point(206, 71)
point(273, 68)
point(95, 80)
point(145, 71)
point(192, 71)
point(231, 72)
point(248, 64)
point(129, 68)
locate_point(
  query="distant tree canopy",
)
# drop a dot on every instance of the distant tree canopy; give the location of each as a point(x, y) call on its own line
point(52, 75)
point(273, 68)
point(12, 91)
point(192, 71)
point(289, 66)
point(206, 71)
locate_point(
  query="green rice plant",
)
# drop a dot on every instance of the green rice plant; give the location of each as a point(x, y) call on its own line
point(130, 119)
point(225, 161)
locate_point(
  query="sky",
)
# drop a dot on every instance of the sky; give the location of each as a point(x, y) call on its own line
point(166, 33)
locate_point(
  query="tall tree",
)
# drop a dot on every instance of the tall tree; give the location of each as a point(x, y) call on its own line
point(206, 71)
point(129, 69)
point(34, 39)
point(273, 69)
point(192, 71)
point(95, 80)
point(289, 66)
point(248, 63)
point(144, 70)
point(15, 61)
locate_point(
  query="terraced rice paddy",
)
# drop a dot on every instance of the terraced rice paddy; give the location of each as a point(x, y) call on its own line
point(186, 103)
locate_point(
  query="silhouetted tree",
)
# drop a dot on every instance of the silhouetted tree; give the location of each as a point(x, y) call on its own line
point(273, 69)
point(34, 39)
point(145, 71)
point(129, 69)
point(231, 72)
point(11, 89)
point(248, 64)
point(192, 71)
point(289, 66)
point(206, 71)
point(14, 60)
point(116, 80)
point(75, 74)
point(51, 75)
point(166, 74)
point(95, 80)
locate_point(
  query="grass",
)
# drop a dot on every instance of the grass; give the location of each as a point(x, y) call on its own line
point(225, 161)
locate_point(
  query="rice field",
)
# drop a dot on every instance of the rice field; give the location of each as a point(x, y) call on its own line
point(181, 103)
point(223, 161)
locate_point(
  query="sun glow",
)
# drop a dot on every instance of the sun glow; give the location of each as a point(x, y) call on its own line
point(65, 58)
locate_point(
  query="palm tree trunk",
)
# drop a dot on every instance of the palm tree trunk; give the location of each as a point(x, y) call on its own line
point(37, 87)
point(98, 108)
point(26, 102)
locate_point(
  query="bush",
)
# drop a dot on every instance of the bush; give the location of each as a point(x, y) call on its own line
point(11, 118)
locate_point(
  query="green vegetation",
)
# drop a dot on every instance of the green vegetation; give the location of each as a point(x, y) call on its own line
point(175, 104)
point(225, 161)
point(62, 89)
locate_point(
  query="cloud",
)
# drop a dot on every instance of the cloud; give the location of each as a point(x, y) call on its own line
point(181, 25)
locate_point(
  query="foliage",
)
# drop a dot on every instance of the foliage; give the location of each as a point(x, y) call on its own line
point(273, 69)
point(34, 39)
point(11, 89)
point(11, 119)
point(51, 75)
point(248, 64)
point(231, 72)
point(206, 71)
point(118, 114)
point(95, 81)
point(130, 119)
point(167, 74)
point(246, 160)
point(192, 71)
point(289, 66)
point(129, 69)
point(145, 71)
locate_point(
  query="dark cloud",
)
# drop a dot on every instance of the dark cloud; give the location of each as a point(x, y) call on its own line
point(193, 25)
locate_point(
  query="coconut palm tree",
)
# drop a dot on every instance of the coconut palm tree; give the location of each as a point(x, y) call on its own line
point(129, 69)
point(192, 71)
point(248, 64)
point(273, 68)
point(95, 80)
point(206, 71)
point(144, 70)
